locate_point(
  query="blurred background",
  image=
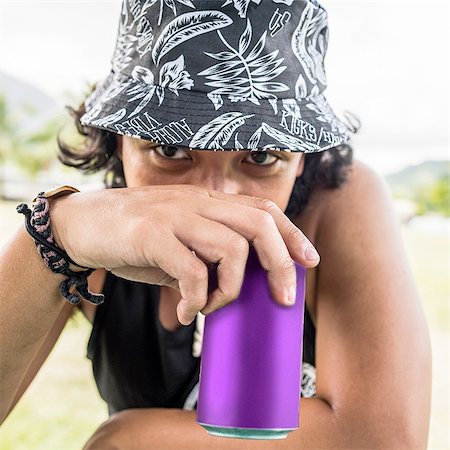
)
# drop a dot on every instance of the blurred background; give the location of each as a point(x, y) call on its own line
point(387, 63)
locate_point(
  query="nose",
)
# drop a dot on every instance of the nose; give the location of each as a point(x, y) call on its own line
point(216, 175)
point(216, 180)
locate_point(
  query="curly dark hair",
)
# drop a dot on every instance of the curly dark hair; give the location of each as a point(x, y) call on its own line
point(326, 169)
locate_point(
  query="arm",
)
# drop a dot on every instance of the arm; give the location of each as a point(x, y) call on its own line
point(32, 315)
point(167, 428)
point(373, 350)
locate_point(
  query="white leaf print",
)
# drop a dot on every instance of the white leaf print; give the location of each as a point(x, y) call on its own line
point(187, 26)
point(147, 96)
point(286, 139)
point(237, 144)
point(173, 75)
point(143, 89)
point(265, 59)
point(256, 84)
point(236, 82)
point(187, 3)
point(226, 75)
point(319, 38)
point(245, 38)
point(272, 146)
point(309, 42)
point(135, 7)
point(221, 56)
point(325, 114)
point(301, 90)
point(257, 49)
point(219, 69)
point(298, 42)
point(315, 91)
point(218, 131)
point(265, 64)
point(124, 44)
point(113, 90)
point(160, 94)
point(168, 3)
point(112, 118)
point(145, 36)
point(254, 139)
point(292, 108)
point(171, 70)
point(142, 75)
point(268, 72)
point(241, 6)
point(92, 113)
point(147, 5)
point(274, 103)
point(266, 86)
point(216, 100)
point(171, 4)
point(286, 2)
point(101, 96)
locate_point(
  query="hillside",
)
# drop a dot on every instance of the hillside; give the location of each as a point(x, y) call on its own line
point(411, 179)
point(19, 94)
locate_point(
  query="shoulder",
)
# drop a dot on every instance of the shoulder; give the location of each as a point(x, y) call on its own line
point(358, 216)
point(327, 206)
point(363, 185)
point(357, 226)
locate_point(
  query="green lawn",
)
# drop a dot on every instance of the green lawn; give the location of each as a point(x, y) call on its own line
point(62, 406)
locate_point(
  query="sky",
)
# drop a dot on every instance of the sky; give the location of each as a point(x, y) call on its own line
point(387, 62)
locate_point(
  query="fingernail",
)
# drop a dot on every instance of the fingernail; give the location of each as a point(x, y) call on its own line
point(290, 300)
point(311, 253)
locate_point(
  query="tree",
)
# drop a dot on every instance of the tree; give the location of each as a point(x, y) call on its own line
point(31, 151)
point(436, 197)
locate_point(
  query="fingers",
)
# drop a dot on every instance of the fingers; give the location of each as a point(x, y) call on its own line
point(259, 228)
point(180, 263)
point(217, 231)
point(149, 275)
point(298, 245)
point(228, 256)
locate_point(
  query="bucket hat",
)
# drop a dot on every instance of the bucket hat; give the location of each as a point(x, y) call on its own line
point(220, 75)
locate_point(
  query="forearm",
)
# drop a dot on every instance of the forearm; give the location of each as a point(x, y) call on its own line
point(317, 430)
point(163, 428)
point(30, 303)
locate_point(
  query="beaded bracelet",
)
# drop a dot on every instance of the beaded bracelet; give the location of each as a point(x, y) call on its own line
point(37, 223)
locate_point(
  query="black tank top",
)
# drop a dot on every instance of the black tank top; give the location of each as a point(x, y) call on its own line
point(137, 363)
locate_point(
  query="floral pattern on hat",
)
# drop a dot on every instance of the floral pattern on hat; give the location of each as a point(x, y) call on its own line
point(228, 75)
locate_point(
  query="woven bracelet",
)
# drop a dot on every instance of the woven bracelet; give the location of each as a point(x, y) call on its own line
point(37, 223)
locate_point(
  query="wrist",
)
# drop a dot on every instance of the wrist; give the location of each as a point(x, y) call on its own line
point(57, 220)
point(58, 213)
point(52, 246)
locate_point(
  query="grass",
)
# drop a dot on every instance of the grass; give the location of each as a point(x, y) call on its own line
point(428, 255)
point(62, 407)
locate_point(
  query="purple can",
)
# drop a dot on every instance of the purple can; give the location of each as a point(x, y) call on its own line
point(251, 363)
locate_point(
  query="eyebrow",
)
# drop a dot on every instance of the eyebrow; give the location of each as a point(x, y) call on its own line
point(151, 144)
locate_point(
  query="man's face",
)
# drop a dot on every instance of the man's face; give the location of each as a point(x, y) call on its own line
point(269, 174)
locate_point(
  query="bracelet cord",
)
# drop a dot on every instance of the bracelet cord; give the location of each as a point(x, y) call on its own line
point(37, 223)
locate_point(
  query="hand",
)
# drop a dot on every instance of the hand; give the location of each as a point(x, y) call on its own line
point(170, 234)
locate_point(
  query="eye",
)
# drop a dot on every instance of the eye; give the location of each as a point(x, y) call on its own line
point(168, 151)
point(258, 157)
point(261, 157)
